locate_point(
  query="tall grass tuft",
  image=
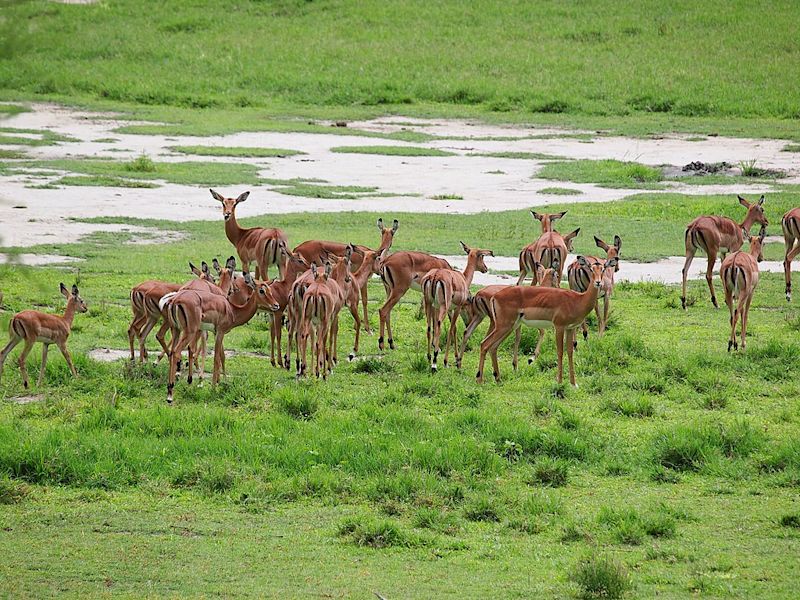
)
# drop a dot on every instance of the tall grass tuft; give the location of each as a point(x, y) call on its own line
point(141, 164)
point(298, 402)
point(601, 577)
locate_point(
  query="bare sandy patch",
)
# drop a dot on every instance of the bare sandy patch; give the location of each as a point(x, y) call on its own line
point(27, 399)
point(34, 260)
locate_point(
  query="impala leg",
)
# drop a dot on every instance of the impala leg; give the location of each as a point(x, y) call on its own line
point(12, 343)
point(63, 347)
point(490, 343)
point(729, 303)
point(522, 274)
point(745, 310)
point(219, 358)
point(44, 364)
point(477, 318)
point(712, 258)
point(791, 253)
point(21, 361)
point(515, 356)
point(134, 331)
point(570, 350)
point(178, 343)
point(161, 336)
point(364, 298)
point(428, 328)
point(537, 350)
point(439, 317)
point(606, 305)
point(143, 333)
point(685, 273)
point(560, 353)
point(357, 328)
point(385, 315)
point(600, 326)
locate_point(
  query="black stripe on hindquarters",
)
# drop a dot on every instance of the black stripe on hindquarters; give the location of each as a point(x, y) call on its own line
point(15, 323)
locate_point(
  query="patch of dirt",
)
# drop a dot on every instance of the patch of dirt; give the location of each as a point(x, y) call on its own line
point(37, 259)
point(27, 399)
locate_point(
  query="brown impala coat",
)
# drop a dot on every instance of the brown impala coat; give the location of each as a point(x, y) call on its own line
point(549, 246)
point(739, 274)
point(790, 223)
point(579, 279)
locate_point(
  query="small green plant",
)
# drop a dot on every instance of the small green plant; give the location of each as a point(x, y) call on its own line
point(559, 191)
point(447, 197)
point(12, 491)
point(601, 577)
point(371, 364)
point(482, 508)
point(792, 521)
point(377, 533)
point(552, 472)
point(141, 164)
point(298, 402)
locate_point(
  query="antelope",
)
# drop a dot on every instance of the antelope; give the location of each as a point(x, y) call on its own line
point(579, 278)
point(791, 237)
point(478, 309)
point(34, 326)
point(370, 264)
point(545, 249)
point(192, 311)
point(340, 275)
point(712, 234)
point(446, 289)
point(563, 310)
point(295, 266)
point(318, 314)
point(739, 274)
point(318, 252)
point(252, 244)
point(399, 272)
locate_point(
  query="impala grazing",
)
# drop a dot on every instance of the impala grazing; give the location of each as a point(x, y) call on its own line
point(713, 234)
point(33, 326)
point(739, 274)
point(445, 291)
point(791, 237)
point(319, 252)
point(579, 278)
point(255, 244)
point(400, 272)
point(550, 245)
point(543, 308)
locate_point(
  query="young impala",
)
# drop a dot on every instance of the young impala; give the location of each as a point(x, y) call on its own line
point(319, 252)
point(478, 309)
point(713, 234)
point(446, 290)
point(791, 237)
point(295, 266)
point(255, 244)
point(33, 326)
point(739, 274)
point(579, 278)
point(543, 308)
point(317, 316)
point(550, 245)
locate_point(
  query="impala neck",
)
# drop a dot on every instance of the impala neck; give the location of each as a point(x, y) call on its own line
point(232, 229)
point(69, 313)
point(242, 313)
point(363, 273)
point(469, 271)
point(747, 223)
point(588, 299)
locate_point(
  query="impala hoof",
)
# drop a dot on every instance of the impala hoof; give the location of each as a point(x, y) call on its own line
point(683, 302)
point(351, 357)
point(788, 296)
point(714, 302)
point(530, 360)
point(586, 335)
point(25, 384)
point(391, 344)
point(434, 368)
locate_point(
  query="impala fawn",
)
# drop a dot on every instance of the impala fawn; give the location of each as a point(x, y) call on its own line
point(739, 274)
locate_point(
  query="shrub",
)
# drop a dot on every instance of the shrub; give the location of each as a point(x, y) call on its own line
point(141, 164)
point(601, 577)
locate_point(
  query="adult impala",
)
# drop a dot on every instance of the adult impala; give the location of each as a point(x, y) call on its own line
point(400, 272)
point(317, 320)
point(33, 326)
point(319, 251)
point(791, 237)
point(713, 234)
point(254, 244)
point(551, 244)
point(543, 308)
point(295, 266)
point(446, 290)
point(579, 278)
point(739, 274)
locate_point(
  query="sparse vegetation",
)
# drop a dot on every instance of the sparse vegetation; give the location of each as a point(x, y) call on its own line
point(611, 173)
point(559, 191)
point(236, 151)
point(392, 150)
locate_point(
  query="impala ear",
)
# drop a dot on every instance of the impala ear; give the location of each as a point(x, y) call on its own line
point(216, 196)
point(464, 247)
point(380, 225)
point(230, 263)
point(204, 267)
point(761, 200)
point(762, 233)
point(194, 269)
point(248, 279)
point(328, 269)
point(74, 290)
point(611, 263)
point(348, 251)
point(582, 261)
point(536, 215)
point(314, 270)
point(555, 216)
point(743, 202)
point(617, 243)
point(242, 197)
point(490, 253)
point(64, 290)
point(600, 243)
point(216, 265)
point(395, 225)
point(555, 263)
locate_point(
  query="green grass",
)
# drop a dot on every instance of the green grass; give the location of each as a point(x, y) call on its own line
point(560, 191)
point(385, 468)
point(611, 173)
point(104, 181)
point(43, 137)
point(392, 150)
point(13, 154)
point(412, 54)
point(791, 148)
point(236, 151)
point(521, 155)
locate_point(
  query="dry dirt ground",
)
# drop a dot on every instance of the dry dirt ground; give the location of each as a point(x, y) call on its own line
point(406, 184)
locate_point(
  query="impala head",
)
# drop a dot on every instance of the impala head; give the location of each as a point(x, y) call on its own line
point(373, 258)
point(73, 296)
point(550, 276)
point(757, 244)
point(479, 254)
point(203, 272)
point(387, 234)
point(611, 251)
point(321, 274)
point(755, 213)
point(229, 204)
point(571, 236)
point(547, 219)
point(598, 268)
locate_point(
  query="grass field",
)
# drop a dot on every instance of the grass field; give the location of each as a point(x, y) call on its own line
point(685, 478)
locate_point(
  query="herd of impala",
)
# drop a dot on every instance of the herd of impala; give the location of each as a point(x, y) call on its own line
point(317, 279)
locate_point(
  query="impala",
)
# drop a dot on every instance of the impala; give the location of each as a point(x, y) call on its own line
point(370, 264)
point(295, 266)
point(317, 317)
point(399, 272)
point(713, 234)
point(543, 308)
point(33, 326)
point(550, 245)
point(739, 274)
point(445, 291)
point(318, 252)
point(791, 237)
point(579, 278)
point(478, 309)
point(192, 311)
point(255, 244)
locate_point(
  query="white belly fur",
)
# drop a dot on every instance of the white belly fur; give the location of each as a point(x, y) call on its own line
point(538, 324)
